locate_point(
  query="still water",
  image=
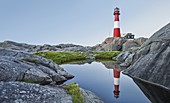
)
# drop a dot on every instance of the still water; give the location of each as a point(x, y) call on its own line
point(99, 77)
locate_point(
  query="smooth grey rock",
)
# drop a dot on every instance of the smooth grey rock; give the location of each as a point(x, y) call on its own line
point(129, 59)
point(98, 47)
point(108, 40)
point(90, 97)
point(112, 47)
point(152, 61)
point(40, 70)
point(36, 76)
point(124, 64)
point(63, 73)
point(133, 49)
point(59, 78)
point(140, 40)
point(113, 44)
point(119, 44)
point(18, 92)
point(129, 44)
point(122, 56)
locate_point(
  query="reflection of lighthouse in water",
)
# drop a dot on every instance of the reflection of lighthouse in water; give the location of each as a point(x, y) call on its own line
point(116, 82)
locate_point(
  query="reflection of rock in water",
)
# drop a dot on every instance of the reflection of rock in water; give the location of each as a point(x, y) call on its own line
point(109, 64)
point(80, 62)
point(112, 65)
point(154, 93)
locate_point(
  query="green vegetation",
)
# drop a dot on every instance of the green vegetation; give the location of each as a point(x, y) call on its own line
point(106, 55)
point(30, 59)
point(75, 92)
point(61, 57)
point(64, 57)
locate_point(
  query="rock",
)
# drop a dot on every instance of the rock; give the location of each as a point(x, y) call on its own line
point(129, 44)
point(151, 62)
point(63, 73)
point(36, 76)
point(119, 44)
point(124, 64)
point(129, 59)
point(108, 40)
point(112, 47)
point(90, 57)
point(140, 40)
point(78, 49)
point(113, 44)
point(19, 92)
point(10, 68)
point(109, 44)
point(68, 45)
point(119, 41)
point(133, 49)
point(98, 47)
point(46, 47)
point(22, 66)
point(90, 97)
point(122, 56)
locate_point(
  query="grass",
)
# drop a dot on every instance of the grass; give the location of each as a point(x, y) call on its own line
point(74, 91)
point(106, 55)
point(30, 59)
point(61, 57)
point(64, 57)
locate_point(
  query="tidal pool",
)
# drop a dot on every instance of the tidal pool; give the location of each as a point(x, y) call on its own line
point(102, 79)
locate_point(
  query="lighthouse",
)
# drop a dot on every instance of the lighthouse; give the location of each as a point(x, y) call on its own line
point(116, 31)
point(116, 82)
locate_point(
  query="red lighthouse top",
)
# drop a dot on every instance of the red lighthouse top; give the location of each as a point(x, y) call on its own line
point(116, 13)
point(116, 32)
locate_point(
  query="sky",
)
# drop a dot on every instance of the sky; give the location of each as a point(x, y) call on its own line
point(83, 22)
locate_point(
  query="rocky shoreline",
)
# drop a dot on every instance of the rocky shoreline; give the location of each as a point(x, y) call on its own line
point(151, 62)
point(19, 65)
point(25, 77)
point(109, 44)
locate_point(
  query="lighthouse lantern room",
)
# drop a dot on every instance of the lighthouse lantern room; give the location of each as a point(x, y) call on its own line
point(116, 31)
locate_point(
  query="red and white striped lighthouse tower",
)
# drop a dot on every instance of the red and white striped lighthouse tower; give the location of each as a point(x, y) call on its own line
point(116, 82)
point(116, 31)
